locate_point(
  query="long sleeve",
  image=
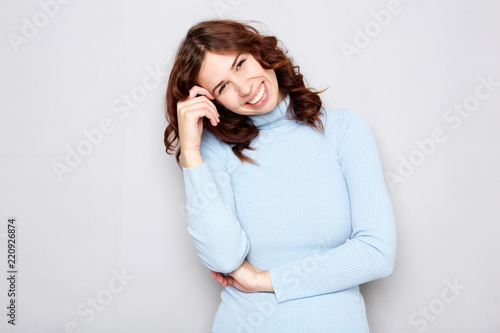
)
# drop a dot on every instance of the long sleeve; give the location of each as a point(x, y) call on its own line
point(369, 254)
point(217, 234)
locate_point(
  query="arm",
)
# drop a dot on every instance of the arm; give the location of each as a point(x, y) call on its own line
point(370, 252)
point(218, 237)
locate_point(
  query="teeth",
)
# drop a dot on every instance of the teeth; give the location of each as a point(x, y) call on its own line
point(259, 95)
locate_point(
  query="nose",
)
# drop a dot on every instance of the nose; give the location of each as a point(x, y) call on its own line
point(244, 87)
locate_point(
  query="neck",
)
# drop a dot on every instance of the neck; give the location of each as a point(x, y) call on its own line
point(274, 118)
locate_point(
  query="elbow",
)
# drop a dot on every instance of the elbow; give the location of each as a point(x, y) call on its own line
point(386, 262)
point(386, 251)
point(219, 252)
point(386, 267)
point(226, 263)
point(228, 259)
point(382, 259)
point(226, 266)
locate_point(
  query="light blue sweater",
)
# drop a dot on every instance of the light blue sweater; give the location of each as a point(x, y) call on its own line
point(315, 212)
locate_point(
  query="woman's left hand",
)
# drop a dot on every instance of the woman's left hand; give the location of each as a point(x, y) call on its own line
point(246, 278)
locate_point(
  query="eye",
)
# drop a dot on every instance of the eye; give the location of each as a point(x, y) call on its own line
point(222, 88)
point(240, 63)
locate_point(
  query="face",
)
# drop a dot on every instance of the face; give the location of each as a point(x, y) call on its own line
point(240, 83)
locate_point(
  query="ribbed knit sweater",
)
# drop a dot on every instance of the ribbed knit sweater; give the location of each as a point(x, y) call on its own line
point(315, 212)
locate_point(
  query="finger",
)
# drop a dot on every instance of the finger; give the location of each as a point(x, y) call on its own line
point(197, 90)
point(198, 103)
point(208, 104)
point(213, 274)
point(201, 100)
point(224, 281)
point(214, 120)
point(233, 283)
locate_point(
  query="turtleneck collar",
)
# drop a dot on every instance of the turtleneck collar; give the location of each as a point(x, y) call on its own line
point(274, 118)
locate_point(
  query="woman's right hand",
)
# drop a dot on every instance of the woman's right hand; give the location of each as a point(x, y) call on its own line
point(190, 113)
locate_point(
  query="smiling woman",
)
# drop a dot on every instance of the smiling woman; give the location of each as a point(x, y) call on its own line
point(245, 87)
point(292, 232)
point(227, 54)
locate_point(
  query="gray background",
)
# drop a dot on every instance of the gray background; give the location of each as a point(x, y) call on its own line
point(121, 208)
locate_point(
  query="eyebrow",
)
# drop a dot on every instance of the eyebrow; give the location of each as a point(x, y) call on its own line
point(232, 66)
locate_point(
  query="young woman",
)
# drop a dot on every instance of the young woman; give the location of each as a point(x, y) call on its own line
point(287, 203)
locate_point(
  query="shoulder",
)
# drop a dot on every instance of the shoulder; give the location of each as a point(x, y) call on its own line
point(340, 118)
point(338, 122)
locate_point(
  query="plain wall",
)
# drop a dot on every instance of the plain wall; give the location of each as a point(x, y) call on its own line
point(89, 77)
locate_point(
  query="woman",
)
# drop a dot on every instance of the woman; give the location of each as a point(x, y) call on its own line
point(287, 203)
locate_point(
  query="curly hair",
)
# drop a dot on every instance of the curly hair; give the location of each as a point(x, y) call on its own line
point(224, 36)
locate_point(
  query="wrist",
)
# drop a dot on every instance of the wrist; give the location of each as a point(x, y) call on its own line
point(265, 283)
point(191, 157)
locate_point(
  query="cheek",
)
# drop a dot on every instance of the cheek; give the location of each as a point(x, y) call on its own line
point(227, 100)
point(256, 69)
point(271, 74)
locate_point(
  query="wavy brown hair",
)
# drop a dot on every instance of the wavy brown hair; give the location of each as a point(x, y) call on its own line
point(223, 36)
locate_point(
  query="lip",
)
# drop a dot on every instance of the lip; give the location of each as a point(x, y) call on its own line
point(262, 100)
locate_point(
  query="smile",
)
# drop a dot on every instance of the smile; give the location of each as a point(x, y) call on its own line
point(259, 95)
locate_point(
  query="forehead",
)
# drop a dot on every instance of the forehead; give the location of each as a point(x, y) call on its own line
point(215, 66)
